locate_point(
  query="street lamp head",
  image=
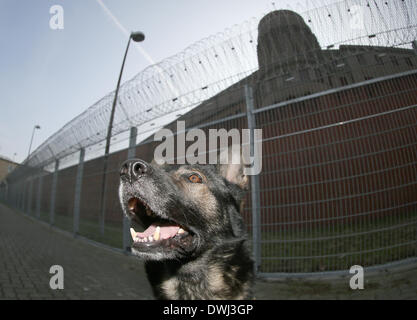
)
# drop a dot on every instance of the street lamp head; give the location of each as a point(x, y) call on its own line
point(137, 36)
point(31, 140)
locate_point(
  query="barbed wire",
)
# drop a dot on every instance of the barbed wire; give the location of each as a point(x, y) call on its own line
point(213, 64)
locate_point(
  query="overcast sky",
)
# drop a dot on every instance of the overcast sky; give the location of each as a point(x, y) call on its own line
point(48, 76)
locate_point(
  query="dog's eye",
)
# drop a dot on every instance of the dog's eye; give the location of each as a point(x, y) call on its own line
point(195, 178)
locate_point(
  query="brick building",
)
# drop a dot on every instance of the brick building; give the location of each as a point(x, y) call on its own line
point(339, 147)
point(316, 88)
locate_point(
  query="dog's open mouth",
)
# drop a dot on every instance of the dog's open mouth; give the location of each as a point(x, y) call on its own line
point(158, 232)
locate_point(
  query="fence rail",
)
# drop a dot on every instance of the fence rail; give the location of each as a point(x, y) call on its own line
point(339, 164)
point(329, 206)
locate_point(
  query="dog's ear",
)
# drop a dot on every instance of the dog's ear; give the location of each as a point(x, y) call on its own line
point(236, 222)
point(154, 163)
point(231, 167)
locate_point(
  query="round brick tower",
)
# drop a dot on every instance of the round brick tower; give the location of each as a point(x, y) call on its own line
point(282, 36)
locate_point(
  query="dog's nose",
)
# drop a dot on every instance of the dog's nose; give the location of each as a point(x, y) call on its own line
point(134, 168)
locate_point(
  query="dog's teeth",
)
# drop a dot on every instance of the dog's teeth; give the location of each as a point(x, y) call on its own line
point(157, 233)
point(133, 233)
point(180, 230)
point(150, 238)
point(148, 211)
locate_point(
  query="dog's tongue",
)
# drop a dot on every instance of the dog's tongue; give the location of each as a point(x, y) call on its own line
point(166, 231)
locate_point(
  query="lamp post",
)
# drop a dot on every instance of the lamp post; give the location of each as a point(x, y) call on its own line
point(31, 140)
point(137, 37)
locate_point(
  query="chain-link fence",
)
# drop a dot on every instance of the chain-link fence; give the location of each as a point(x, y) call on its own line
point(338, 185)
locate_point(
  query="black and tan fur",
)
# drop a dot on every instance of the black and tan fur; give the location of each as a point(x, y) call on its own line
point(213, 260)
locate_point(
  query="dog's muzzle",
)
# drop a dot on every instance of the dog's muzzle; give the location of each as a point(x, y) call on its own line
point(162, 235)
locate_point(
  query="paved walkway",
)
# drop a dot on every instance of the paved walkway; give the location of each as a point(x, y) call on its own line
point(29, 248)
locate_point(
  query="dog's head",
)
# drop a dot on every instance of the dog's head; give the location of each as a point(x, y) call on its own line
point(184, 209)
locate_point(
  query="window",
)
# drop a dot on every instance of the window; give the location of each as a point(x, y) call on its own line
point(378, 59)
point(361, 59)
point(288, 77)
point(409, 62)
point(304, 75)
point(394, 60)
point(343, 81)
point(330, 79)
point(339, 63)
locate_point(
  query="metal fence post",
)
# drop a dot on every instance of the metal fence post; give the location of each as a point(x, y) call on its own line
point(53, 193)
point(77, 196)
point(3, 192)
point(16, 194)
point(6, 193)
point(10, 197)
point(255, 192)
point(29, 208)
point(127, 240)
point(21, 204)
point(13, 195)
point(24, 196)
point(39, 197)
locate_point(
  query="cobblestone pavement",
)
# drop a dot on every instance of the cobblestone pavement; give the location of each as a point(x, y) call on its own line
point(29, 248)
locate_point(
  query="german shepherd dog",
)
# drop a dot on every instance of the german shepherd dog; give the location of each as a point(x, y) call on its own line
point(194, 242)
